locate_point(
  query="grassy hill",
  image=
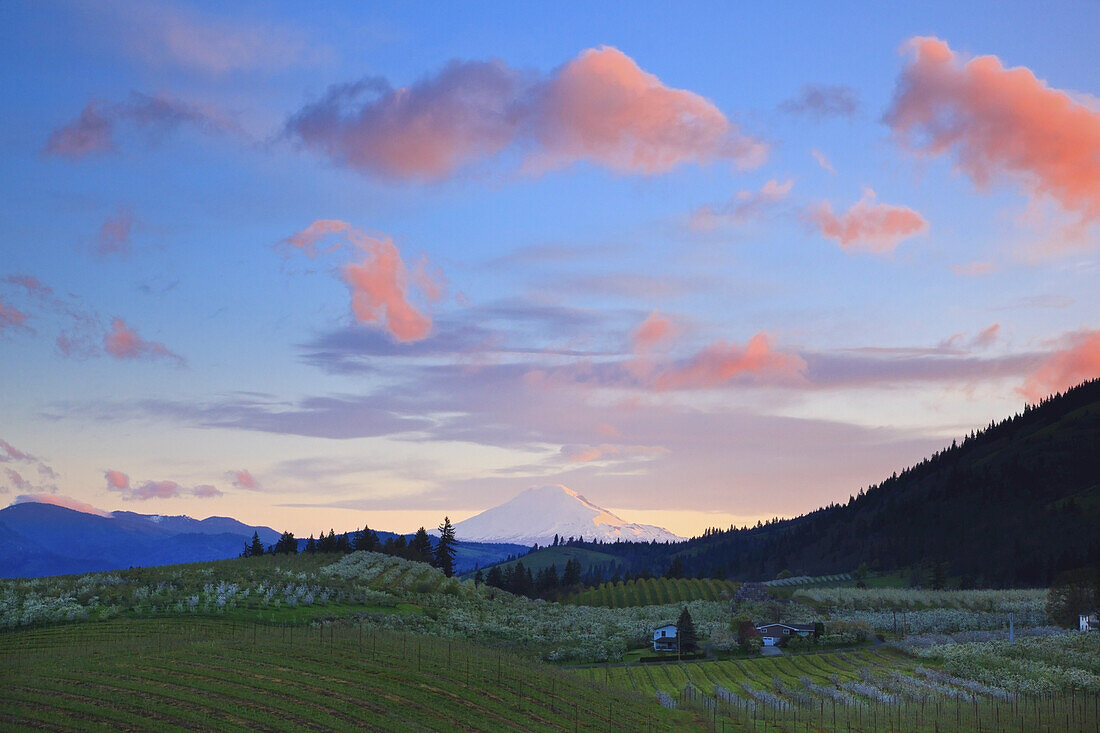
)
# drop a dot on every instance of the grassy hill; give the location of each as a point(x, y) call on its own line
point(654, 591)
point(188, 674)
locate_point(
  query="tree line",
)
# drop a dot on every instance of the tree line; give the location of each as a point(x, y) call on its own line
point(440, 554)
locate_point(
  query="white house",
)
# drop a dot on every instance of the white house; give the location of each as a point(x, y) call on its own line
point(664, 638)
point(773, 634)
point(1089, 621)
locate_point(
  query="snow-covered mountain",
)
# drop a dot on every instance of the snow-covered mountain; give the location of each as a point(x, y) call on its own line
point(537, 514)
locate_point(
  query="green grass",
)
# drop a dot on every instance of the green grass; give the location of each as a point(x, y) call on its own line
point(174, 674)
point(654, 591)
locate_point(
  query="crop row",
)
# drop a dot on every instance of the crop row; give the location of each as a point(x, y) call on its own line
point(859, 691)
point(175, 675)
point(654, 592)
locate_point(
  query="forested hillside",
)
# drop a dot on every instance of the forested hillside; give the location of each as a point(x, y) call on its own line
point(1011, 505)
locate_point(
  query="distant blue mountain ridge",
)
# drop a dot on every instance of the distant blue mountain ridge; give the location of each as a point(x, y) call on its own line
point(44, 539)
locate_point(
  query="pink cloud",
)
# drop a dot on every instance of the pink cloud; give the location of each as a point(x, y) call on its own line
point(743, 207)
point(307, 239)
point(117, 480)
point(429, 279)
point(206, 491)
point(155, 490)
point(8, 452)
point(868, 226)
point(378, 292)
point(62, 501)
point(652, 332)
point(124, 343)
point(380, 282)
point(722, 362)
point(999, 122)
point(987, 337)
point(17, 481)
point(244, 480)
point(607, 452)
point(114, 235)
point(92, 132)
point(823, 161)
point(600, 108)
point(11, 317)
point(974, 269)
point(31, 284)
point(422, 132)
point(1077, 361)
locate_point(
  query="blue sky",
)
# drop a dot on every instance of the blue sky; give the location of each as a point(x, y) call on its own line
point(549, 171)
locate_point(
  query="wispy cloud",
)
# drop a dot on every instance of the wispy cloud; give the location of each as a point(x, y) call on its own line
point(93, 131)
point(119, 482)
point(823, 100)
point(745, 206)
point(123, 342)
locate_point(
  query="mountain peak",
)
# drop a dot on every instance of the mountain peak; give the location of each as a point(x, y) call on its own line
point(540, 512)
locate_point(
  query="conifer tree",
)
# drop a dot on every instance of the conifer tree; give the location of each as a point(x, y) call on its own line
point(286, 545)
point(420, 548)
point(256, 548)
point(685, 632)
point(494, 578)
point(366, 539)
point(445, 549)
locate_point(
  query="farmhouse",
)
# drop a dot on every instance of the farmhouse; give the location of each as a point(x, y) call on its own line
point(773, 634)
point(1089, 621)
point(664, 638)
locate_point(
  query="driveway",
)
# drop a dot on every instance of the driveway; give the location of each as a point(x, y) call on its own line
point(771, 651)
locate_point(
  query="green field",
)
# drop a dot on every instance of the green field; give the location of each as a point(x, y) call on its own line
point(866, 690)
point(180, 674)
point(654, 592)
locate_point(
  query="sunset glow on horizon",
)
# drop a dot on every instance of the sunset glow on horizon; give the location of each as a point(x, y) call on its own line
point(707, 264)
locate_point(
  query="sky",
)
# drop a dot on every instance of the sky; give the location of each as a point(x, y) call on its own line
point(333, 264)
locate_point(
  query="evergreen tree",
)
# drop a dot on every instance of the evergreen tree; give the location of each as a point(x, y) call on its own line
point(546, 583)
point(675, 568)
point(420, 548)
point(366, 539)
point(311, 544)
point(256, 548)
point(686, 634)
point(286, 545)
point(494, 578)
point(572, 574)
point(478, 577)
point(445, 549)
point(342, 543)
